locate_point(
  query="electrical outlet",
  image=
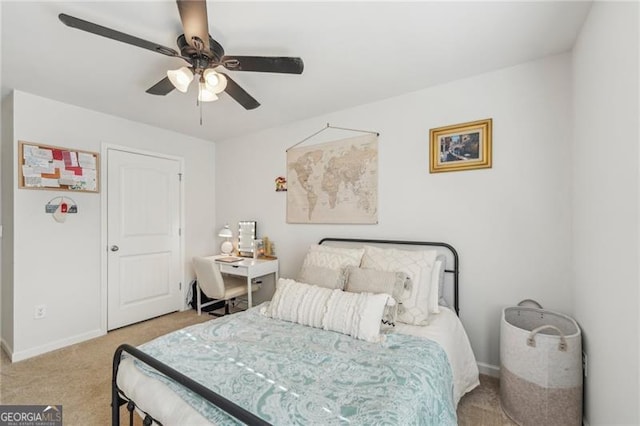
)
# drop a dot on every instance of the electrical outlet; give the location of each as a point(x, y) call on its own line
point(40, 312)
point(584, 364)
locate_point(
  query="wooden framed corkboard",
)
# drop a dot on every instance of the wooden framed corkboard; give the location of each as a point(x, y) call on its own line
point(57, 168)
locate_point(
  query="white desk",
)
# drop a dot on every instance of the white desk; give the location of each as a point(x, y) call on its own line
point(250, 268)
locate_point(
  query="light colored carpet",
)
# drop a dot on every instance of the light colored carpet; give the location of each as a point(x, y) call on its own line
point(79, 377)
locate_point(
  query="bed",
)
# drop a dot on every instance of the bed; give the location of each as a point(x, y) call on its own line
point(255, 367)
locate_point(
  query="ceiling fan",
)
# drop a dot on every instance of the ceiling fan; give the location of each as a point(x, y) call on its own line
point(203, 55)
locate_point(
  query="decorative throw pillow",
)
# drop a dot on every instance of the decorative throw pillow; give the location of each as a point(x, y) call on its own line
point(322, 277)
point(299, 302)
point(417, 264)
point(437, 283)
point(355, 314)
point(324, 265)
point(396, 284)
point(441, 300)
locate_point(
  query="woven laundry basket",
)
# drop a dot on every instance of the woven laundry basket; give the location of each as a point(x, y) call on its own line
point(540, 367)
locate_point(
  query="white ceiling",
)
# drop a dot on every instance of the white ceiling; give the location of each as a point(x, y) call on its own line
point(354, 53)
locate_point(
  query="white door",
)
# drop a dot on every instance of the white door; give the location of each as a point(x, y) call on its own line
point(143, 220)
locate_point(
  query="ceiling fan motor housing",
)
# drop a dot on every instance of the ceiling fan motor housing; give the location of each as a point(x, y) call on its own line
point(213, 55)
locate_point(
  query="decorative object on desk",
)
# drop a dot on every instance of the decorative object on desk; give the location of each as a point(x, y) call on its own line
point(465, 146)
point(56, 168)
point(258, 249)
point(334, 182)
point(227, 246)
point(267, 246)
point(281, 184)
point(247, 231)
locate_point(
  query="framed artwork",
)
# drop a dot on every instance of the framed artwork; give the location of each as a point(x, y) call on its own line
point(465, 146)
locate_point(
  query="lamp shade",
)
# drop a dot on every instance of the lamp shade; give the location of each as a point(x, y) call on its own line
point(205, 94)
point(225, 232)
point(214, 81)
point(226, 246)
point(180, 78)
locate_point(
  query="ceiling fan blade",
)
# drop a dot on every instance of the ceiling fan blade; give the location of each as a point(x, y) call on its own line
point(162, 87)
point(281, 64)
point(193, 14)
point(239, 94)
point(115, 35)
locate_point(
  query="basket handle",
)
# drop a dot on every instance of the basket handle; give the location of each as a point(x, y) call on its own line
point(530, 301)
point(532, 342)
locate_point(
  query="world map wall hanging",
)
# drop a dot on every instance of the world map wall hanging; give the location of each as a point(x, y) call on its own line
point(334, 182)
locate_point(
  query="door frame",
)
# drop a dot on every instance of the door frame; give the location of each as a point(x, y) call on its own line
point(104, 242)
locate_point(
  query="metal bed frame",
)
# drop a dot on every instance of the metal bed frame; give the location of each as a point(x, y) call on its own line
point(118, 397)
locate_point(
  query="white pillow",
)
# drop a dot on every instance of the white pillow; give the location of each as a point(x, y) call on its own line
point(298, 302)
point(417, 264)
point(437, 282)
point(355, 314)
point(333, 257)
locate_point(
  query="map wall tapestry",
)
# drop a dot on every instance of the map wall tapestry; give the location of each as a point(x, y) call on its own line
point(334, 182)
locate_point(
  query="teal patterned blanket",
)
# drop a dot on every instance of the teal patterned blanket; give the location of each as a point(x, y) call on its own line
point(290, 374)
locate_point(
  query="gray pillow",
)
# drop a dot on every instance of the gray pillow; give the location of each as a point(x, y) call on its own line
point(322, 277)
point(396, 284)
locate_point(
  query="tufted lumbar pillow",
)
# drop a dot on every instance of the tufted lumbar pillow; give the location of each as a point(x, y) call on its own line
point(298, 302)
point(355, 314)
point(397, 284)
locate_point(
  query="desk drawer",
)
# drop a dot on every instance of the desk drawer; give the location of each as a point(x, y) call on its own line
point(234, 270)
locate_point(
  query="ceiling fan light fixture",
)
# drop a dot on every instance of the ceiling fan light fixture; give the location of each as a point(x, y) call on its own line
point(210, 77)
point(215, 82)
point(180, 78)
point(205, 94)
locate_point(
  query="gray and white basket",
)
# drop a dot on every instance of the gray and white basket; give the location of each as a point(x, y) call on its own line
point(540, 367)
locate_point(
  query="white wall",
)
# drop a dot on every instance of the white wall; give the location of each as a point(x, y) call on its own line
point(510, 223)
point(60, 264)
point(605, 209)
point(6, 174)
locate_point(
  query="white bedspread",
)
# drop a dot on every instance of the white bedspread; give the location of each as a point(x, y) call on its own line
point(445, 328)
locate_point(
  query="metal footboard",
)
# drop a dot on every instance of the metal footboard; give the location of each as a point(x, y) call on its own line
point(118, 398)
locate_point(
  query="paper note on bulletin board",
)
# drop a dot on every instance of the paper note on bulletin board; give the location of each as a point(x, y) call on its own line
point(57, 168)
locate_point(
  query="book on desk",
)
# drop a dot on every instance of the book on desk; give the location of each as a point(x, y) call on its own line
point(229, 259)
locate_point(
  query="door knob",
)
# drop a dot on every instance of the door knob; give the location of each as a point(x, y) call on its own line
point(115, 248)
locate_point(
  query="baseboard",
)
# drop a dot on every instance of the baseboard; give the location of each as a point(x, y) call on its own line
point(39, 350)
point(6, 348)
point(489, 369)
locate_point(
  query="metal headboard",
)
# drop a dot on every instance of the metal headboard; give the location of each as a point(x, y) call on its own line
point(455, 271)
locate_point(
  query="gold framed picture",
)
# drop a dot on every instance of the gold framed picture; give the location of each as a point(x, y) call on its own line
point(465, 146)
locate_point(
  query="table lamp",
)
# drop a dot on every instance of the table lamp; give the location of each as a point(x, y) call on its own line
point(226, 246)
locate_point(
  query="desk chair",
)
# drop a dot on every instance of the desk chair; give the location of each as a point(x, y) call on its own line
point(213, 285)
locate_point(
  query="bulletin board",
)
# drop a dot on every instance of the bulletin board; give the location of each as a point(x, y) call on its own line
point(56, 168)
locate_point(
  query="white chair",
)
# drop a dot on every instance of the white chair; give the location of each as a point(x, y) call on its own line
point(213, 285)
